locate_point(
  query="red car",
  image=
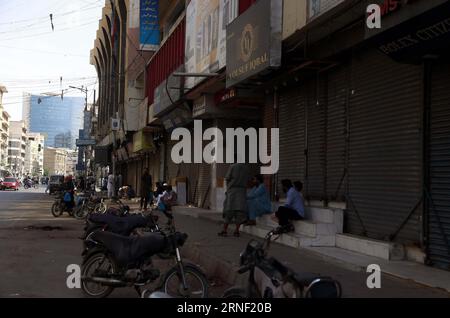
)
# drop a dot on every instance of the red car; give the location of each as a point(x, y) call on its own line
point(10, 184)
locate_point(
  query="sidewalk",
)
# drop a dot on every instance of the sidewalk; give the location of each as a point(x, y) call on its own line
point(221, 256)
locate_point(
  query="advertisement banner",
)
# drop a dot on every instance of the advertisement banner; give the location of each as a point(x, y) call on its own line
point(149, 24)
point(206, 22)
point(254, 41)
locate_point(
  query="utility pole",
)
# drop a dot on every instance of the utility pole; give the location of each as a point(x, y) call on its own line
point(84, 90)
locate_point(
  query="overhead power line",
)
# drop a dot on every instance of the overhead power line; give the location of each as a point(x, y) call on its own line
point(56, 15)
point(43, 52)
point(48, 33)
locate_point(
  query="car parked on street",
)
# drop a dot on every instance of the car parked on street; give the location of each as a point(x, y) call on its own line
point(10, 184)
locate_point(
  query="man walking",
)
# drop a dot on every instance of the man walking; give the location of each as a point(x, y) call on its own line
point(146, 189)
point(235, 205)
point(111, 185)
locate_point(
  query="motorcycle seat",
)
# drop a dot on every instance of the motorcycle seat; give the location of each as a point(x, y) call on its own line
point(119, 225)
point(128, 250)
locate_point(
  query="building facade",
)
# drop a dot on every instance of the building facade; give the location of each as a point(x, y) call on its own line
point(59, 119)
point(34, 156)
point(362, 113)
point(71, 163)
point(17, 146)
point(4, 133)
point(55, 161)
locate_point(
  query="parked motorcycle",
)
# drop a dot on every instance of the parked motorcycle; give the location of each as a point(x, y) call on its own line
point(268, 278)
point(89, 204)
point(122, 261)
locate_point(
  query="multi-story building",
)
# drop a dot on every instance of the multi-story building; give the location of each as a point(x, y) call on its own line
point(4, 132)
point(71, 162)
point(55, 161)
point(17, 146)
point(361, 112)
point(34, 157)
point(59, 119)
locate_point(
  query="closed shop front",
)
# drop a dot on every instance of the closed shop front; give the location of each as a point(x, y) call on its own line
point(336, 132)
point(292, 125)
point(438, 198)
point(385, 148)
point(303, 117)
point(354, 134)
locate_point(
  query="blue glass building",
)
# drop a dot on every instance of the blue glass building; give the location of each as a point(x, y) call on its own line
point(58, 119)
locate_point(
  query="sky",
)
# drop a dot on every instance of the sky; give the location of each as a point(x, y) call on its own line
point(33, 57)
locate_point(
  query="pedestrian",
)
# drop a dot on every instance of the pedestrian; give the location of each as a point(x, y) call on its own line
point(167, 200)
point(146, 189)
point(159, 189)
point(293, 210)
point(119, 183)
point(105, 183)
point(69, 188)
point(235, 205)
point(258, 200)
point(111, 186)
point(81, 184)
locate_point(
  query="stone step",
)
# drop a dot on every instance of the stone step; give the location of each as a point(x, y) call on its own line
point(304, 227)
point(366, 246)
point(291, 239)
point(321, 215)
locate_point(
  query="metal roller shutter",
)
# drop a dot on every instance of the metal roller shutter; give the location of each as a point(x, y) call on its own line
point(336, 133)
point(204, 176)
point(385, 150)
point(315, 134)
point(439, 200)
point(204, 186)
point(191, 172)
point(292, 110)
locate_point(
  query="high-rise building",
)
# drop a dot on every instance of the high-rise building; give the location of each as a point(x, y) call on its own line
point(4, 134)
point(17, 148)
point(59, 119)
point(34, 156)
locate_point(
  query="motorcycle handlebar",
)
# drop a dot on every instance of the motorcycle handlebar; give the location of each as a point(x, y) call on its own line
point(243, 269)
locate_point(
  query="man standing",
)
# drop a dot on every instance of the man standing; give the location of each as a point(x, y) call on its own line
point(235, 205)
point(111, 185)
point(146, 189)
point(119, 182)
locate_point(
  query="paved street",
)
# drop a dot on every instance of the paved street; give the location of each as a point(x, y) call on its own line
point(33, 260)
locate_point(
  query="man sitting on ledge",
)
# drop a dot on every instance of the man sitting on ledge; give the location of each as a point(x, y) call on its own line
point(293, 209)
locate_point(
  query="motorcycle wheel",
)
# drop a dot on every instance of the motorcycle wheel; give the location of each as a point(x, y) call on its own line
point(100, 208)
point(235, 292)
point(94, 263)
point(57, 210)
point(195, 279)
point(80, 213)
